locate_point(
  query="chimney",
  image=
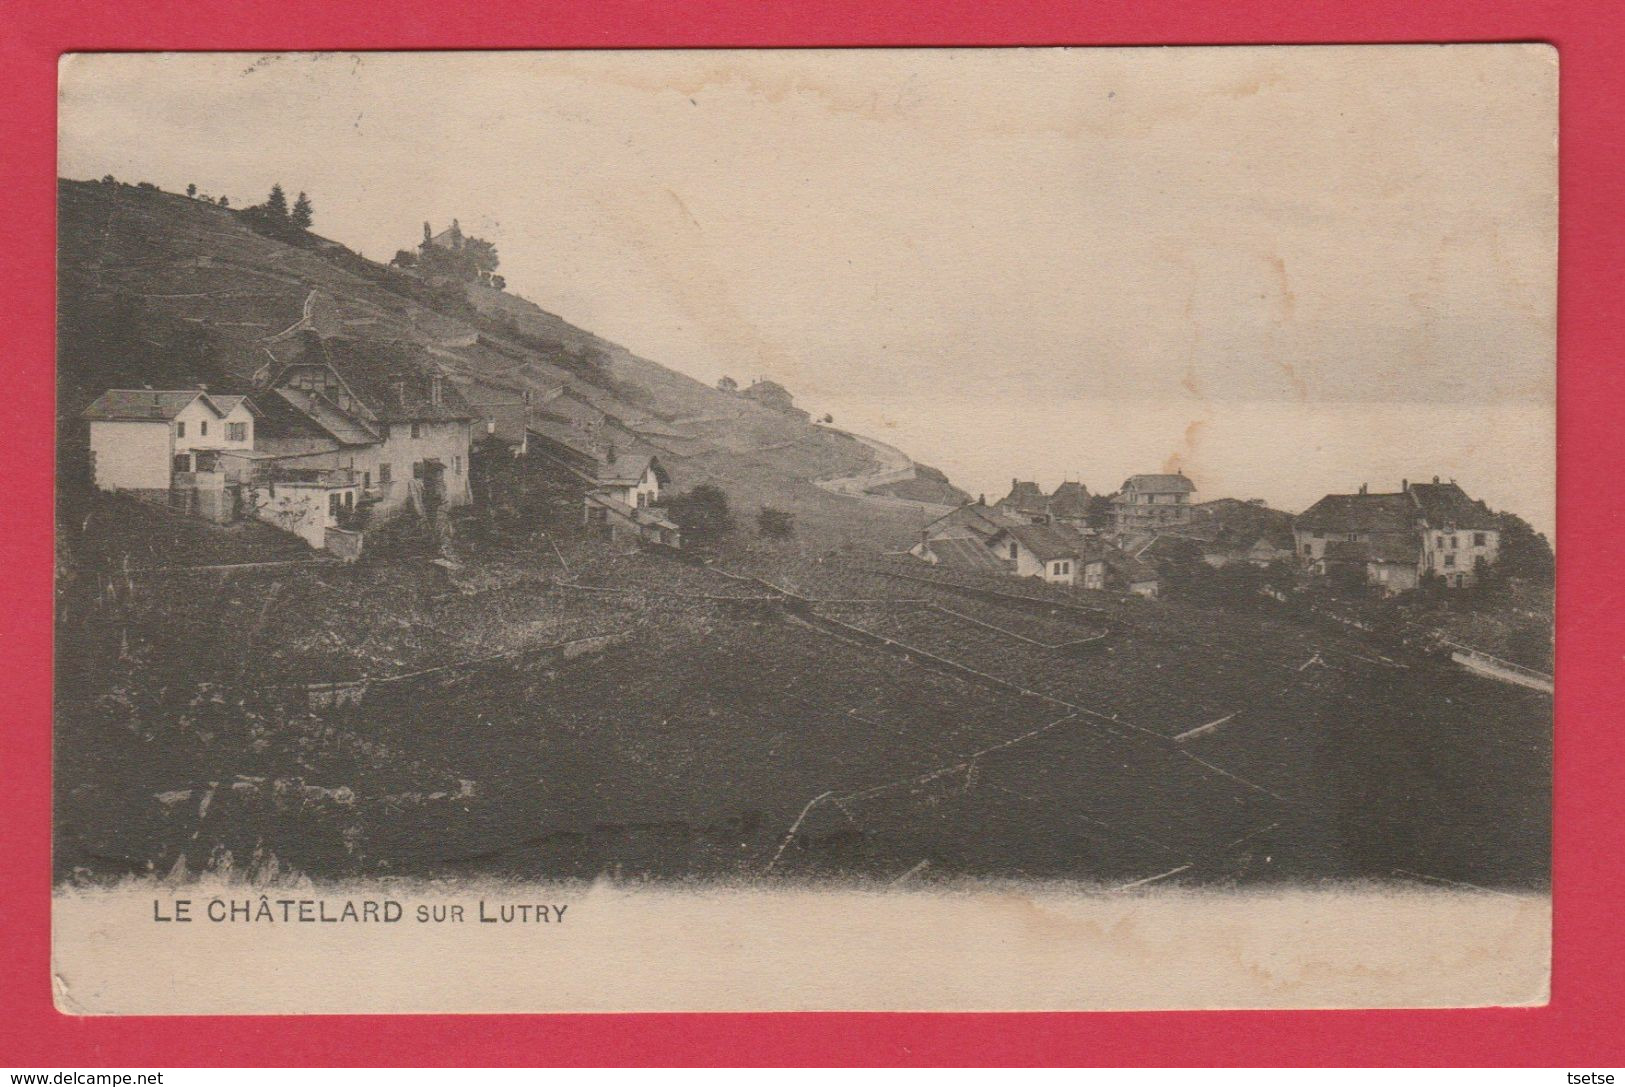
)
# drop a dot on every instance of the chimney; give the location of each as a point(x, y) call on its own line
point(1435, 479)
point(1363, 488)
point(400, 392)
point(435, 389)
point(609, 453)
point(427, 233)
point(1405, 486)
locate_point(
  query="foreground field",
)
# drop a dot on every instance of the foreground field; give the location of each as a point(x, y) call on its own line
point(794, 717)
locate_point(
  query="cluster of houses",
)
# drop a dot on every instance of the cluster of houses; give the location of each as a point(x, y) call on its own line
point(337, 433)
point(1030, 534)
point(1389, 541)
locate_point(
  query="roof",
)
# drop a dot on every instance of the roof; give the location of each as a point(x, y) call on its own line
point(643, 515)
point(1346, 551)
point(1359, 513)
point(1071, 499)
point(985, 521)
point(278, 418)
point(339, 425)
point(767, 388)
point(959, 553)
point(1176, 483)
point(1026, 496)
point(153, 405)
point(395, 380)
point(1443, 504)
point(1127, 568)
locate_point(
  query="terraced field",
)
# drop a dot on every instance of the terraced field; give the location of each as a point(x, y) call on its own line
point(845, 724)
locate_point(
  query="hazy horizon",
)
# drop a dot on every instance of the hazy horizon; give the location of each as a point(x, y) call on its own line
point(1286, 271)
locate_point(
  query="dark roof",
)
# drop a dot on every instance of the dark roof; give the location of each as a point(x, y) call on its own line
point(1445, 504)
point(1176, 483)
point(326, 416)
point(1071, 499)
point(959, 553)
point(1359, 513)
point(1126, 568)
point(145, 405)
point(1346, 551)
point(278, 418)
point(626, 470)
point(1026, 496)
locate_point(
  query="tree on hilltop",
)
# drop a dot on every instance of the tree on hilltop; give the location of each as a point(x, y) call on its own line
point(276, 204)
point(302, 213)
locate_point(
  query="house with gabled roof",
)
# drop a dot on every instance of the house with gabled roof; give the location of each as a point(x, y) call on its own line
point(1070, 504)
point(140, 439)
point(1398, 537)
point(1025, 501)
point(1146, 503)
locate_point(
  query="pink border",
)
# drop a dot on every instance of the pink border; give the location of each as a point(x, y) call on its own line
point(1582, 1025)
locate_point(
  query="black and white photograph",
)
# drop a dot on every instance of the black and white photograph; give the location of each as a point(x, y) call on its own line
point(896, 529)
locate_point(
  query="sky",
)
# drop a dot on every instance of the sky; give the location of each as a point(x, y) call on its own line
point(1284, 271)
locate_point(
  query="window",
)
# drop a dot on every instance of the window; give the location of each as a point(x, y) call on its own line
point(366, 481)
point(383, 473)
point(1450, 560)
point(236, 432)
point(1478, 539)
point(417, 430)
point(203, 429)
point(643, 499)
point(180, 430)
point(1453, 542)
point(417, 469)
point(457, 466)
point(333, 504)
point(1308, 549)
point(1012, 549)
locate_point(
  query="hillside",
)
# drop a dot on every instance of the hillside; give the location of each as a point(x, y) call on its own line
point(162, 290)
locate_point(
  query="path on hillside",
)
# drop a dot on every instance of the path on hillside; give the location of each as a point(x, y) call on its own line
point(895, 467)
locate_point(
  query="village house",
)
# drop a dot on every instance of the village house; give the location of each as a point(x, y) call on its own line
point(1146, 503)
point(1069, 505)
point(1044, 551)
point(1396, 538)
